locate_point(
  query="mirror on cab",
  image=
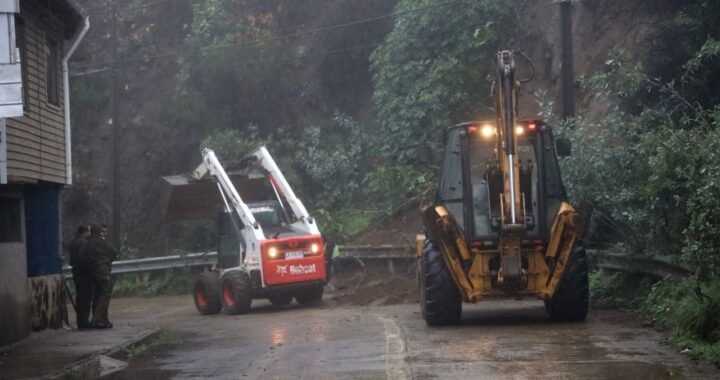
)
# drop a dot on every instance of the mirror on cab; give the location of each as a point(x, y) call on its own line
point(563, 147)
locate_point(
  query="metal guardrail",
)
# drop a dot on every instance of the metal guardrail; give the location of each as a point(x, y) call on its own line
point(656, 266)
point(376, 251)
point(203, 259)
point(395, 258)
point(207, 259)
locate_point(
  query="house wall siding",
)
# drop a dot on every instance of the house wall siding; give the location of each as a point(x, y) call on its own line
point(15, 305)
point(36, 141)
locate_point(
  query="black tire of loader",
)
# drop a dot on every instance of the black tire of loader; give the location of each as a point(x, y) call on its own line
point(236, 292)
point(206, 293)
point(280, 299)
point(310, 296)
point(571, 300)
point(440, 301)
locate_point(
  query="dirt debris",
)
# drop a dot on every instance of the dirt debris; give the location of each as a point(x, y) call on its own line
point(373, 289)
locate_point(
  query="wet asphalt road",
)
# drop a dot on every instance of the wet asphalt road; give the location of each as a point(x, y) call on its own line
point(496, 339)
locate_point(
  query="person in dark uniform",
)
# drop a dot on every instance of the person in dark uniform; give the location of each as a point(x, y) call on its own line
point(100, 256)
point(81, 275)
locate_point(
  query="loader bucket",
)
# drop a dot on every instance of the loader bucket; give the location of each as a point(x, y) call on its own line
point(186, 198)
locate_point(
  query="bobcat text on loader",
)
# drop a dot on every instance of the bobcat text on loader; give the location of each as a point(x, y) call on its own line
point(268, 246)
point(500, 224)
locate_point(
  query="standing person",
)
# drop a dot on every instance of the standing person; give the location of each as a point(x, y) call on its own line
point(100, 256)
point(81, 275)
point(329, 240)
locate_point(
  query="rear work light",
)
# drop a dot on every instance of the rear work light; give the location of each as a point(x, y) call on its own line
point(488, 131)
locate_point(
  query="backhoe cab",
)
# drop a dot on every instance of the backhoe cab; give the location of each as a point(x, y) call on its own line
point(500, 225)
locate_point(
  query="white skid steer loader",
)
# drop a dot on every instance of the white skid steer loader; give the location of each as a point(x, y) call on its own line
point(268, 246)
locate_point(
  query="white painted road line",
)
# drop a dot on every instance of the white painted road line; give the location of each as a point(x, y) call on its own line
point(395, 366)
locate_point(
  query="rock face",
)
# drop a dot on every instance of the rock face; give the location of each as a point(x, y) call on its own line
point(599, 28)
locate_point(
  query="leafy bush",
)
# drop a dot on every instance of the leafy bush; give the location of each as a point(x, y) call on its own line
point(656, 171)
point(618, 290)
point(430, 71)
point(690, 310)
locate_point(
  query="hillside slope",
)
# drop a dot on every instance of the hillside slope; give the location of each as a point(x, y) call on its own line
point(151, 146)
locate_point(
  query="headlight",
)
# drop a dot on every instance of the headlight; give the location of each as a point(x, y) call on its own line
point(519, 130)
point(487, 131)
point(315, 248)
point(272, 252)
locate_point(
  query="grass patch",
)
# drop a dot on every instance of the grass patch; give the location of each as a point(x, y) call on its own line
point(618, 290)
point(169, 282)
point(690, 311)
point(148, 345)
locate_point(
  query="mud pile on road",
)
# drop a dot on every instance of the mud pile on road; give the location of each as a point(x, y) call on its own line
point(372, 289)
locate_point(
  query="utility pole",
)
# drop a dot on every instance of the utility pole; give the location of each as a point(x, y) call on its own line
point(114, 124)
point(567, 64)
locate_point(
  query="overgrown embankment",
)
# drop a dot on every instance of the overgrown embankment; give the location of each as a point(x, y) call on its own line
point(651, 163)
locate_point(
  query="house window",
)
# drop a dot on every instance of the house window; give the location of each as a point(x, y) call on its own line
point(52, 66)
point(10, 220)
point(20, 42)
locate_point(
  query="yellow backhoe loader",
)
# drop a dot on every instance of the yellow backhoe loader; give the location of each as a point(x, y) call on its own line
point(500, 225)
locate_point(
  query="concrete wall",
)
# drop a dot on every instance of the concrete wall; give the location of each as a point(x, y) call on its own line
point(47, 298)
point(14, 295)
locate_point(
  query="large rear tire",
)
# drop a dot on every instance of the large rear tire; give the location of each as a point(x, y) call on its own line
point(236, 292)
point(440, 301)
point(206, 293)
point(571, 300)
point(310, 296)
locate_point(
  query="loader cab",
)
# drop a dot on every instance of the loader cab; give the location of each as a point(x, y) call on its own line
point(268, 214)
point(469, 180)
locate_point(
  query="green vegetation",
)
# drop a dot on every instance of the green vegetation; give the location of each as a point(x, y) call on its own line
point(351, 171)
point(429, 72)
point(653, 164)
point(691, 311)
point(147, 345)
point(617, 290)
point(170, 282)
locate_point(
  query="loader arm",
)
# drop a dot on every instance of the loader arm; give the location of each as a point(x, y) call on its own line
point(506, 144)
point(512, 229)
point(251, 229)
point(305, 221)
